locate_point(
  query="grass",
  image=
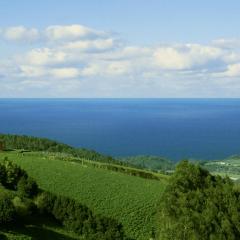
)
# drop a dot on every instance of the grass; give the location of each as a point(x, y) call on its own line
point(131, 200)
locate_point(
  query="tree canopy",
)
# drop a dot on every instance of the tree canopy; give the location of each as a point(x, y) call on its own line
point(197, 205)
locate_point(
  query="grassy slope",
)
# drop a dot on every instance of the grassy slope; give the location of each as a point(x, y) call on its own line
point(130, 200)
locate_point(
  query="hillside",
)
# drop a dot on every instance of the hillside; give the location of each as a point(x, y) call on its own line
point(129, 199)
point(229, 166)
point(154, 163)
point(43, 144)
point(106, 199)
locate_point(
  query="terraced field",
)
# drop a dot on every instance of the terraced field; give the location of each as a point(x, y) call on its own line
point(131, 200)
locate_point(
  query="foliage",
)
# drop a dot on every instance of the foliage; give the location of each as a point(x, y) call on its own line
point(79, 218)
point(10, 174)
point(70, 213)
point(14, 178)
point(197, 205)
point(27, 187)
point(130, 200)
point(2, 146)
point(43, 144)
point(150, 162)
point(7, 210)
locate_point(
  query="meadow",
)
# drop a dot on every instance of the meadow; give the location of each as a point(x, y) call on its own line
point(129, 199)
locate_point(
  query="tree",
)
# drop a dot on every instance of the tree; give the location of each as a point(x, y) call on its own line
point(197, 205)
point(7, 210)
point(2, 146)
point(27, 187)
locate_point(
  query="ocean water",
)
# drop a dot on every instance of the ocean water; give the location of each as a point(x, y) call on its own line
point(174, 128)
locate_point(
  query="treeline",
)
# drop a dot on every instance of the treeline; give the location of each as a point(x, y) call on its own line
point(26, 199)
point(18, 202)
point(129, 170)
point(153, 163)
point(80, 219)
point(123, 169)
point(14, 178)
point(198, 205)
point(42, 144)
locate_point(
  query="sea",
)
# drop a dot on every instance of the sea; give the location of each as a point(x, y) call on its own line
point(173, 128)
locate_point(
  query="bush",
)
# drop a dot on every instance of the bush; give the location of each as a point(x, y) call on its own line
point(27, 187)
point(10, 174)
point(14, 178)
point(79, 218)
point(24, 207)
point(7, 210)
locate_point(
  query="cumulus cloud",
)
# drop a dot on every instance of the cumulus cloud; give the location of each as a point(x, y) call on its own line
point(43, 56)
point(231, 43)
point(82, 61)
point(20, 33)
point(69, 72)
point(91, 45)
point(233, 70)
point(71, 32)
point(186, 56)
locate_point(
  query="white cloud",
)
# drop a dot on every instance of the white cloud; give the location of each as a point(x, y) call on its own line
point(31, 71)
point(90, 45)
point(82, 61)
point(233, 70)
point(227, 43)
point(43, 56)
point(186, 56)
point(20, 33)
point(71, 32)
point(107, 68)
point(65, 72)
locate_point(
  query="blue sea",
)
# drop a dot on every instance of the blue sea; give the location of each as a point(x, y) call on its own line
point(174, 128)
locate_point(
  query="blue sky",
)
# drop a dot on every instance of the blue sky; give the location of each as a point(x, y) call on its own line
point(127, 48)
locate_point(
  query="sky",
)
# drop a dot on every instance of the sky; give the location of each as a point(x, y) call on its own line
point(119, 49)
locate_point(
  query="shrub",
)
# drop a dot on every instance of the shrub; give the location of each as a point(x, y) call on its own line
point(24, 207)
point(10, 174)
point(7, 210)
point(27, 187)
point(79, 218)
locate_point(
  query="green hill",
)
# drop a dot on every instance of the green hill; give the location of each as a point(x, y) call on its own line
point(229, 166)
point(129, 199)
point(43, 144)
point(154, 163)
point(85, 195)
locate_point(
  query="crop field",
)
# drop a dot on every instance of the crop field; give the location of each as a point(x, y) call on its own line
point(130, 200)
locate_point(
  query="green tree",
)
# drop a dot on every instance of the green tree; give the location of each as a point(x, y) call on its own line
point(27, 187)
point(197, 205)
point(2, 145)
point(7, 210)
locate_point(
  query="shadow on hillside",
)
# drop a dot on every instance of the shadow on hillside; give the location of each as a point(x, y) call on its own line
point(36, 230)
point(3, 237)
point(39, 233)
